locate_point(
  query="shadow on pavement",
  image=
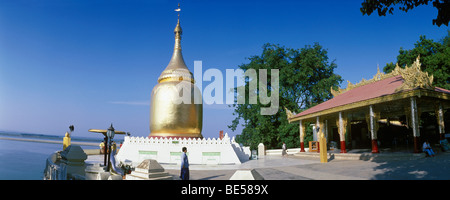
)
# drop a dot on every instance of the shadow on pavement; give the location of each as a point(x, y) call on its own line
point(426, 168)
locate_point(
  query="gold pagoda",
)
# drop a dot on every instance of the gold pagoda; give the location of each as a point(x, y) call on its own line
point(169, 117)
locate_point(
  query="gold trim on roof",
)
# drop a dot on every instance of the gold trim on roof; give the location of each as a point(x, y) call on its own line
point(289, 113)
point(377, 77)
point(418, 83)
point(381, 99)
point(413, 78)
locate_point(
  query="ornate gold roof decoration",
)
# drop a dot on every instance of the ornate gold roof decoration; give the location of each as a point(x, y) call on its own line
point(413, 77)
point(289, 113)
point(377, 77)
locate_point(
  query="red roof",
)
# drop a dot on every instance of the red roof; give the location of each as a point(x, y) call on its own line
point(376, 89)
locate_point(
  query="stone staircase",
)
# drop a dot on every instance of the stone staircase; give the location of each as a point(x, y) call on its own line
point(365, 156)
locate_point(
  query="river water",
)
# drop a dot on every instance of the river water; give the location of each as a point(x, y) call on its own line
point(24, 160)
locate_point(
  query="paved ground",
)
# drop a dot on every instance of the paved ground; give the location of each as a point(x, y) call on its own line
point(310, 168)
point(299, 168)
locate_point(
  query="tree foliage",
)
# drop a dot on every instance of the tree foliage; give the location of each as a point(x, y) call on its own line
point(434, 56)
point(305, 79)
point(384, 6)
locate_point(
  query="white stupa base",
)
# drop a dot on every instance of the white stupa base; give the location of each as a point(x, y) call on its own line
point(168, 151)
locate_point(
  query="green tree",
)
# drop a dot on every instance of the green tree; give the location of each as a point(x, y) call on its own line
point(383, 6)
point(305, 79)
point(434, 56)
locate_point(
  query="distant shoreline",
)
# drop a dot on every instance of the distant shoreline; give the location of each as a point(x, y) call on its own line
point(49, 141)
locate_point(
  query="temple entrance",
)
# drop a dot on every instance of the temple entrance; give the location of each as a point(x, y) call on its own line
point(429, 128)
point(395, 136)
point(360, 135)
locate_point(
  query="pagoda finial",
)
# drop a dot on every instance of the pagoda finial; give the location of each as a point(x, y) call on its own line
point(178, 31)
point(178, 10)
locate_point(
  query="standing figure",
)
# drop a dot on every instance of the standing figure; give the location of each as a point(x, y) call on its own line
point(283, 152)
point(66, 141)
point(102, 147)
point(184, 174)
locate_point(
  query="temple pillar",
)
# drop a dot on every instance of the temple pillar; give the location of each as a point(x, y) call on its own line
point(348, 130)
point(317, 133)
point(341, 124)
point(373, 130)
point(322, 141)
point(302, 136)
point(440, 121)
point(415, 124)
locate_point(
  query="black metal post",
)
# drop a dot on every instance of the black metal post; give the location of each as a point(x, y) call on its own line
point(109, 157)
point(106, 149)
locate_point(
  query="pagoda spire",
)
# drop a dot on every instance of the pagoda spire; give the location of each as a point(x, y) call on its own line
point(176, 70)
point(178, 31)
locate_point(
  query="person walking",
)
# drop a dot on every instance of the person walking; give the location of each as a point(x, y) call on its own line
point(184, 174)
point(283, 152)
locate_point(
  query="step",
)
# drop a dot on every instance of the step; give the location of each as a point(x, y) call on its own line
point(364, 156)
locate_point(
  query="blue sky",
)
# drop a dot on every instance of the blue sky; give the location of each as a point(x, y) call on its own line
point(91, 62)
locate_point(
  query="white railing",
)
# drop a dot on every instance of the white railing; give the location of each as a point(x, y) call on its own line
point(181, 141)
point(54, 171)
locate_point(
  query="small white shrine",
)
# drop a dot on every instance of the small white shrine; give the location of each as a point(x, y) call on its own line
point(209, 151)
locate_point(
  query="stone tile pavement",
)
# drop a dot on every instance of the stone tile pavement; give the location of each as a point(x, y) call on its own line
point(293, 167)
point(304, 168)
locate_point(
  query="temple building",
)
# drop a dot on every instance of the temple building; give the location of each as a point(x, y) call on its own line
point(169, 118)
point(389, 111)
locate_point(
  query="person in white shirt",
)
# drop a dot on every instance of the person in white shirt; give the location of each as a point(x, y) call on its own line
point(427, 149)
point(283, 152)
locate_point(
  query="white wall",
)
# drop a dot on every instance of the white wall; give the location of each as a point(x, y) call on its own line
point(168, 150)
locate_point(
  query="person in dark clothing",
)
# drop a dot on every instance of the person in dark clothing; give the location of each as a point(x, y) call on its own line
point(184, 174)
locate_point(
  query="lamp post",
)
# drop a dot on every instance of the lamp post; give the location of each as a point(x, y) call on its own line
point(105, 142)
point(110, 135)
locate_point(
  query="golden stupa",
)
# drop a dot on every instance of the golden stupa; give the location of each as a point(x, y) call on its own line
point(170, 119)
